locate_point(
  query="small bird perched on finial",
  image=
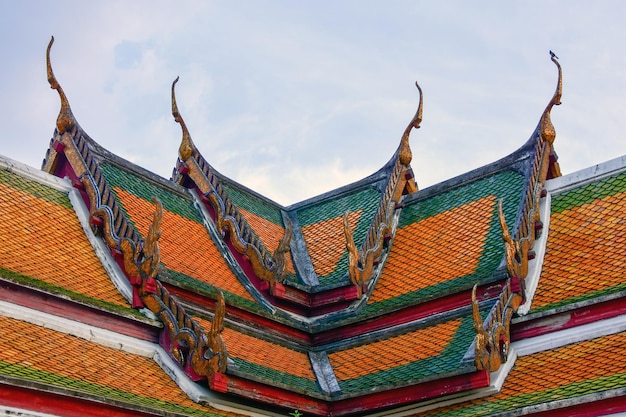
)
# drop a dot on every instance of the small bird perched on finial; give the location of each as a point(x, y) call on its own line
point(553, 55)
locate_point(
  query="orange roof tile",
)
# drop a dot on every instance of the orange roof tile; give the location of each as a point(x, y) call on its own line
point(396, 351)
point(586, 251)
point(441, 247)
point(64, 256)
point(185, 245)
point(593, 360)
point(269, 232)
point(45, 350)
point(326, 243)
point(263, 353)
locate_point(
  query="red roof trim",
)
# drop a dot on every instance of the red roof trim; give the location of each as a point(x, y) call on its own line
point(568, 319)
point(62, 405)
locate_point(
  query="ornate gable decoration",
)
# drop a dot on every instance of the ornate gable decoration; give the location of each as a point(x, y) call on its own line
point(202, 354)
point(493, 336)
point(400, 182)
point(269, 267)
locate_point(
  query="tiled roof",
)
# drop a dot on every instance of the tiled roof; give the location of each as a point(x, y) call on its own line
point(269, 362)
point(326, 253)
point(323, 222)
point(44, 245)
point(453, 240)
point(270, 234)
point(39, 354)
point(570, 371)
point(586, 249)
point(185, 244)
point(410, 357)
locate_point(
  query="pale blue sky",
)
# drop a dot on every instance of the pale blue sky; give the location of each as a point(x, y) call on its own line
point(296, 98)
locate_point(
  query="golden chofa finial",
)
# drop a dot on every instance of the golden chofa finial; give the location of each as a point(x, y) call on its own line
point(404, 152)
point(547, 130)
point(186, 146)
point(65, 120)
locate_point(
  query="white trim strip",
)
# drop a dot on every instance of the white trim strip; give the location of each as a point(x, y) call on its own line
point(35, 174)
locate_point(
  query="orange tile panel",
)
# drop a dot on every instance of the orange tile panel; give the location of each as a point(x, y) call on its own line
point(575, 363)
point(442, 247)
point(69, 356)
point(185, 245)
point(326, 243)
point(263, 353)
point(46, 241)
point(270, 234)
point(396, 351)
point(586, 251)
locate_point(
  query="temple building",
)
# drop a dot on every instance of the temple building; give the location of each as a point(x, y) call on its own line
point(499, 292)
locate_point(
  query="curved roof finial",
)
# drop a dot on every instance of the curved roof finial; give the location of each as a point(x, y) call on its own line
point(404, 151)
point(547, 128)
point(65, 120)
point(186, 146)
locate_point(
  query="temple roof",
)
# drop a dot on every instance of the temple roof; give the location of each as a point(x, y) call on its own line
point(375, 297)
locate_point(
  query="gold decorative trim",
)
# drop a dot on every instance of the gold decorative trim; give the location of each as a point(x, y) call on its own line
point(516, 250)
point(361, 261)
point(269, 267)
point(187, 147)
point(493, 337)
point(65, 120)
point(548, 133)
point(404, 151)
point(195, 349)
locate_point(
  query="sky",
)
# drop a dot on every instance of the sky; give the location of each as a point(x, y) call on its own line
point(296, 98)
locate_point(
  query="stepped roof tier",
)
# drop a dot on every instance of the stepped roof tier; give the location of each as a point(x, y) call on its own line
point(498, 292)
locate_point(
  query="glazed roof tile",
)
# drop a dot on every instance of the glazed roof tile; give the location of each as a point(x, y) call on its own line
point(586, 249)
point(39, 220)
point(268, 362)
point(39, 354)
point(570, 371)
point(436, 350)
point(186, 247)
point(269, 232)
point(322, 221)
point(453, 238)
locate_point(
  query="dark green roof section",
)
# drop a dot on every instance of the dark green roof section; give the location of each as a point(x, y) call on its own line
point(119, 178)
point(449, 362)
point(252, 203)
point(34, 188)
point(507, 185)
point(100, 391)
point(564, 392)
point(276, 378)
point(366, 200)
point(588, 193)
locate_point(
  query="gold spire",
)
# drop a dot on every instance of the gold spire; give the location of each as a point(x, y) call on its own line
point(65, 120)
point(404, 152)
point(547, 128)
point(186, 146)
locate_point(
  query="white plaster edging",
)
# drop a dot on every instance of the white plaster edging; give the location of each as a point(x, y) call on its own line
point(575, 334)
point(88, 332)
point(102, 251)
point(21, 412)
point(107, 338)
point(535, 265)
point(35, 174)
point(587, 175)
